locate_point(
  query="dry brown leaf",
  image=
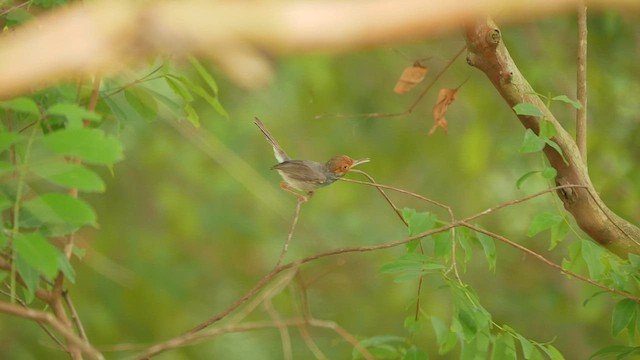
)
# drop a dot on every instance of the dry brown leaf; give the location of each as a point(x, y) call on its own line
point(445, 98)
point(411, 76)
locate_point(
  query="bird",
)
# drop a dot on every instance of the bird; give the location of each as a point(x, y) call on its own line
point(306, 175)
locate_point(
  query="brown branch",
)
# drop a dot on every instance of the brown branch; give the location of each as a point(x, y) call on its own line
point(104, 36)
point(581, 80)
point(59, 326)
point(488, 53)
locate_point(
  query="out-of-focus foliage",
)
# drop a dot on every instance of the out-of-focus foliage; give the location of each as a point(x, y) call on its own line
point(191, 220)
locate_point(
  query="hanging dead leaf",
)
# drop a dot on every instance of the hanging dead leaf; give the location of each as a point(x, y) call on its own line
point(445, 98)
point(411, 76)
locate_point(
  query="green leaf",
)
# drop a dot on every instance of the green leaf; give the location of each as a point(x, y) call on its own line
point(622, 351)
point(624, 313)
point(65, 266)
point(74, 114)
point(559, 232)
point(527, 109)
point(504, 348)
point(204, 74)
point(419, 222)
point(489, 247)
point(531, 142)
point(524, 177)
point(21, 104)
point(142, 102)
point(552, 352)
point(88, 145)
point(527, 346)
point(549, 173)
point(29, 275)
point(442, 245)
point(412, 325)
point(557, 148)
point(38, 253)
point(54, 208)
point(381, 347)
point(445, 338)
point(544, 221)
point(70, 175)
point(547, 130)
point(8, 138)
point(415, 354)
point(5, 203)
point(563, 98)
point(592, 255)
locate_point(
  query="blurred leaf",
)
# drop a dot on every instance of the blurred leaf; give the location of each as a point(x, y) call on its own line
point(29, 275)
point(445, 338)
point(415, 354)
point(549, 173)
point(49, 3)
point(524, 177)
point(8, 138)
point(622, 351)
point(559, 232)
point(527, 109)
point(4, 202)
point(89, 145)
point(592, 255)
point(17, 17)
point(204, 74)
point(142, 102)
point(442, 245)
point(381, 347)
point(65, 266)
point(489, 247)
point(74, 114)
point(547, 130)
point(6, 167)
point(527, 346)
point(504, 348)
point(531, 142)
point(70, 175)
point(544, 221)
point(624, 314)
point(462, 235)
point(55, 208)
point(36, 251)
point(412, 325)
point(563, 98)
point(419, 222)
point(552, 352)
point(557, 148)
point(21, 104)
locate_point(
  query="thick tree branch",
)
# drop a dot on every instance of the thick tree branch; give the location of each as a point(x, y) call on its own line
point(487, 52)
point(103, 35)
point(581, 82)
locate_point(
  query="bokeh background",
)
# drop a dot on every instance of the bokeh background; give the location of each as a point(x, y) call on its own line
point(186, 228)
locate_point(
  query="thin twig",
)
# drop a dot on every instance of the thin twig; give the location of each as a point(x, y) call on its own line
point(581, 79)
point(384, 194)
point(296, 216)
point(285, 338)
point(344, 334)
point(549, 262)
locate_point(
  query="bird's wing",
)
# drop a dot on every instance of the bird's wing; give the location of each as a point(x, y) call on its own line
point(302, 170)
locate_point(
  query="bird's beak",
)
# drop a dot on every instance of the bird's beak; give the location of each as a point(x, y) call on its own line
point(358, 162)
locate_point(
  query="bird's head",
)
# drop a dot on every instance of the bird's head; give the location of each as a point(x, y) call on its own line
point(340, 165)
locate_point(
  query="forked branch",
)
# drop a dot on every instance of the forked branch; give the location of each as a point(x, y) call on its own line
point(487, 52)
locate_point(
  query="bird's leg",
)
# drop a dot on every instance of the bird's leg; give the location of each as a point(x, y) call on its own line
point(301, 198)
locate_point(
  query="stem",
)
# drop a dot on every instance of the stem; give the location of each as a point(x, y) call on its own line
point(16, 210)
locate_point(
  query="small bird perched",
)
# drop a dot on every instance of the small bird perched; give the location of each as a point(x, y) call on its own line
point(307, 175)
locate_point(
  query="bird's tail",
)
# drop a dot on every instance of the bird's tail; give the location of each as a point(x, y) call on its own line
point(279, 153)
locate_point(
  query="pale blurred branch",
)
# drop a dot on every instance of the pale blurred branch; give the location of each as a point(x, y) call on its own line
point(103, 36)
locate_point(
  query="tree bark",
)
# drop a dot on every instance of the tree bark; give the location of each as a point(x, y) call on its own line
point(487, 52)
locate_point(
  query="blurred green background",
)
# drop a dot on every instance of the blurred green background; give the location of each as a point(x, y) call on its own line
point(186, 229)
